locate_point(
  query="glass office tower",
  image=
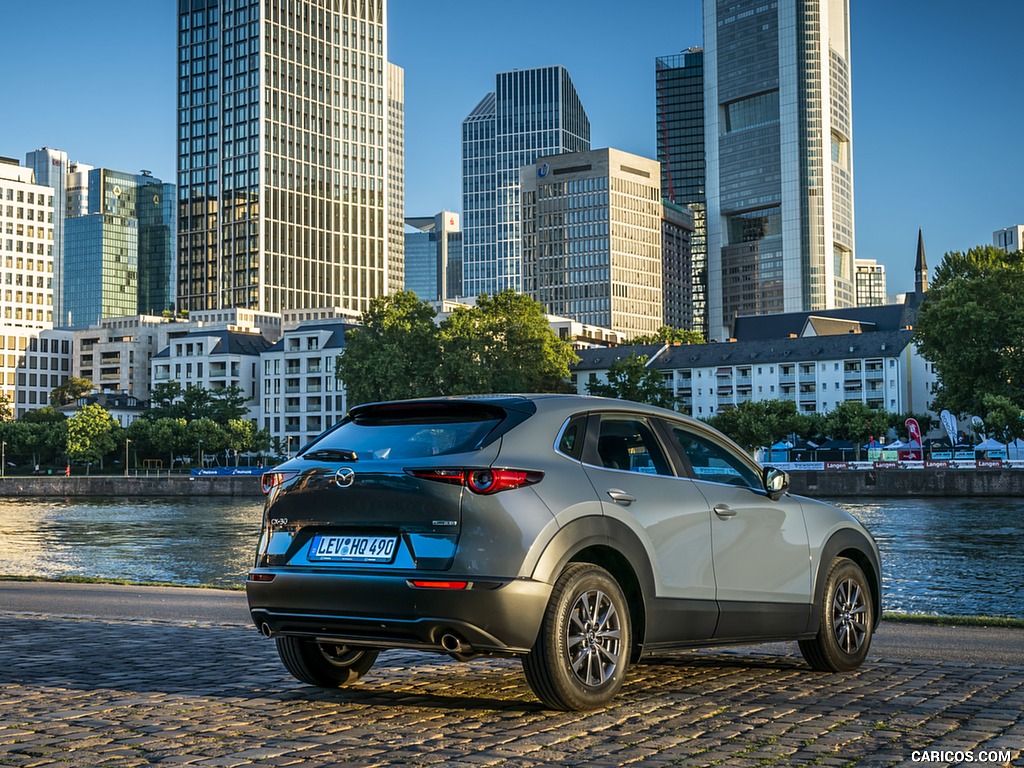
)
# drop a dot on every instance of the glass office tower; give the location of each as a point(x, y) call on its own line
point(284, 158)
point(680, 101)
point(433, 256)
point(532, 112)
point(779, 158)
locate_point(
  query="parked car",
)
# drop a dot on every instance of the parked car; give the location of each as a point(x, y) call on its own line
point(578, 534)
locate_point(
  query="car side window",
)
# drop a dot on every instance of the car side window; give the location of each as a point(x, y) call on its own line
point(571, 441)
point(629, 444)
point(714, 462)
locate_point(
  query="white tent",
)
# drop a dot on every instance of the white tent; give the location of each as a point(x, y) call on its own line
point(990, 445)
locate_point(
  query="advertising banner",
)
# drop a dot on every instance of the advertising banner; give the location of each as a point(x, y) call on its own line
point(949, 424)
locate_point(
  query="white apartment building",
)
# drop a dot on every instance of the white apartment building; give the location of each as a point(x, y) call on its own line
point(882, 370)
point(299, 393)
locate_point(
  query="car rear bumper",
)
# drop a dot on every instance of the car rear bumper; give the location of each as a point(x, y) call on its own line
point(386, 611)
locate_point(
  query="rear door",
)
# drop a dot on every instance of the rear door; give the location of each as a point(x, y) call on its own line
point(638, 484)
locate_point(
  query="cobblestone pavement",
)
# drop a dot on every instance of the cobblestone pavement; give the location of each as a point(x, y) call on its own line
point(133, 693)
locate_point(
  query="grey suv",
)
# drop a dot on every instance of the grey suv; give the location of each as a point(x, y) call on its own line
point(579, 534)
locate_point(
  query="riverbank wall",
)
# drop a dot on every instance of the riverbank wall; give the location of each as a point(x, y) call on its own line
point(907, 482)
point(824, 483)
point(115, 486)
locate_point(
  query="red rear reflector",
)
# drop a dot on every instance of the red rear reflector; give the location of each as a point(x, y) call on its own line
point(261, 576)
point(439, 584)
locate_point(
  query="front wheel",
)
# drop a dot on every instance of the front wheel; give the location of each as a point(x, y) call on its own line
point(581, 653)
point(327, 665)
point(847, 620)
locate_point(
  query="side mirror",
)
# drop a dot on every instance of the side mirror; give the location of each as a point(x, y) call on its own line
point(776, 483)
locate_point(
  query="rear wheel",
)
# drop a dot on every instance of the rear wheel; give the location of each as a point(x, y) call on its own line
point(581, 653)
point(847, 620)
point(328, 665)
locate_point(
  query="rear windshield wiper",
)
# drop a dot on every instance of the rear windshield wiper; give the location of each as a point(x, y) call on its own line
point(332, 454)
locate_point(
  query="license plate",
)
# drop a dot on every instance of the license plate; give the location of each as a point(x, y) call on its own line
point(367, 549)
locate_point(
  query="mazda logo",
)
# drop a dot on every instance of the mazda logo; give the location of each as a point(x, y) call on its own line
point(344, 477)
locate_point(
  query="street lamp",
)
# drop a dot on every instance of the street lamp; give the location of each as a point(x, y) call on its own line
point(200, 454)
point(126, 441)
point(288, 447)
point(3, 459)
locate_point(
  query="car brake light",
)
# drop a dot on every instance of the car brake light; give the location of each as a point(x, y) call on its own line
point(482, 481)
point(271, 480)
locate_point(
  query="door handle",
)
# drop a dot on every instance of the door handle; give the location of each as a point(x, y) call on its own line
point(724, 510)
point(621, 497)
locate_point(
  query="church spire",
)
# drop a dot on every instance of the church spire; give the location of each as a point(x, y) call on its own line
point(920, 267)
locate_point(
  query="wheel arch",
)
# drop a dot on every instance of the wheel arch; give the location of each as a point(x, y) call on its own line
point(854, 545)
point(607, 543)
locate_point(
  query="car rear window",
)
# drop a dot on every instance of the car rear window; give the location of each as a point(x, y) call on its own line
point(412, 431)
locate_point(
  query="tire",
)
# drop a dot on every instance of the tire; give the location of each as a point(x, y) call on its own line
point(327, 665)
point(847, 620)
point(579, 659)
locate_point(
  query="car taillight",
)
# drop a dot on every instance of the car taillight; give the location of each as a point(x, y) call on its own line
point(483, 481)
point(271, 480)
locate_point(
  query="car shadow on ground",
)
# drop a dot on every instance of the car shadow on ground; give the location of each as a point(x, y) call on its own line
point(145, 657)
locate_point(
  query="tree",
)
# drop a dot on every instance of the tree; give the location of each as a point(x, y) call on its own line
point(853, 420)
point(169, 434)
point(70, 391)
point(91, 434)
point(630, 379)
point(6, 414)
point(1003, 418)
point(755, 423)
point(669, 335)
point(395, 354)
point(503, 344)
point(971, 328)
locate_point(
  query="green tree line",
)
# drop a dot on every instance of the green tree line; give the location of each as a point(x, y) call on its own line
point(182, 422)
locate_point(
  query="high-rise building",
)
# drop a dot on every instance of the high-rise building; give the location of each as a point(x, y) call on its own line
point(158, 236)
point(680, 99)
point(1010, 239)
point(592, 238)
point(871, 283)
point(51, 169)
point(677, 270)
point(121, 252)
point(26, 266)
point(778, 139)
point(286, 147)
point(532, 112)
point(433, 257)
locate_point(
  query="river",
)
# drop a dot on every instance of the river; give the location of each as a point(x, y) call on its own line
point(946, 556)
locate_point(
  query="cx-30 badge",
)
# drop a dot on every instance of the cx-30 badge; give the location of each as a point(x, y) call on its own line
point(344, 477)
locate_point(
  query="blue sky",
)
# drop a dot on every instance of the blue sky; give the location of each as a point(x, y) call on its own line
point(938, 96)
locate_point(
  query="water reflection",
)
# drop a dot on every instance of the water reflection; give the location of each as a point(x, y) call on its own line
point(185, 541)
point(943, 556)
point(949, 556)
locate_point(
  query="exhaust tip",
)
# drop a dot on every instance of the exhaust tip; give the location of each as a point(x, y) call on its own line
point(452, 643)
point(266, 630)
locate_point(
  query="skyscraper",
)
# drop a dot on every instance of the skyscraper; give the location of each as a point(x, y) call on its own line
point(779, 156)
point(433, 257)
point(680, 99)
point(51, 170)
point(592, 238)
point(119, 255)
point(532, 112)
point(286, 154)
